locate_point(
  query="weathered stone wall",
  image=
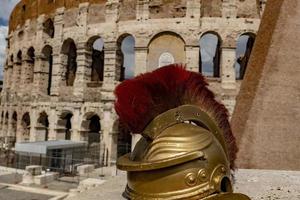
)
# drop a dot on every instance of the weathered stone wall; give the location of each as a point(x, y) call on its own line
point(211, 8)
point(83, 21)
point(267, 115)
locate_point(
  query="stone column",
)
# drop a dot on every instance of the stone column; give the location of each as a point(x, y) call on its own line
point(16, 76)
point(26, 73)
point(52, 118)
point(193, 8)
point(82, 72)
point(40, 87)
point(82, 18)
point(7, 78)
point(19, 133)
point(58, 71)
point(38, 81)
point(39, 29)
point(109, 135)
point(227, 67)
point(141, 54)
point(112, 70)
point(33, 123)
point(112, 11)
point(58, 58)
point(59, 24)
point(76, 125)
point(142, 10)
point(192, 57)
point(4, 125)
point(229, 9)
point(1, 125)
point(27, 65)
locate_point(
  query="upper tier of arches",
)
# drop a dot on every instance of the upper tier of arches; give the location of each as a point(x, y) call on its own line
point(129, 9)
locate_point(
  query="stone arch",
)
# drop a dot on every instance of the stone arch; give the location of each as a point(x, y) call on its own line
point(42, 128)
point(6, 118)
point(46, 67)
point(245, 44)
point(25, 127)
point(29, 72)
point(12, 58)
point(69, 50)
point(19, 57)
point(21, 35)
point(91, 127)
point(126, 56)
point(95, 46)
point(64, 130)
point(48, 27)
point(160, 44)
point(210, 54)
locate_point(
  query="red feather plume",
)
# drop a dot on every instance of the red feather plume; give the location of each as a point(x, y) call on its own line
point(140, 100)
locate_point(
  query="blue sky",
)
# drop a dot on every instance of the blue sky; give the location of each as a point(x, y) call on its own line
point(5, 10)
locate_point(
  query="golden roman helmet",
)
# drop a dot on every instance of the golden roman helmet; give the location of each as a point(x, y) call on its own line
point(183, 152)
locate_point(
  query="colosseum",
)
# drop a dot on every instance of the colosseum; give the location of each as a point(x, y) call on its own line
point(65, 57)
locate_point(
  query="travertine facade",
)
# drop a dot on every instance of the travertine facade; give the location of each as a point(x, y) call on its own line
point(54, 90)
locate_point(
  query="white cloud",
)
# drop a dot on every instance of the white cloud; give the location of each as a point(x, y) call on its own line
point(6, 8)
point(3, 34)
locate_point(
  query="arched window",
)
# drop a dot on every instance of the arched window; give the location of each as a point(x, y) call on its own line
point(25, 125)
point(165, 48)
point(47, 66)
point(126, 56)
point(43, 127)
point(66, 124)
point(210, 54)
point(243, 51)
point(94, 130)
point(96, 46)
point(19, 57)
point(48, 28)
point(30, 61)
point(70, 51)
point(6, 119)
point(30, 54)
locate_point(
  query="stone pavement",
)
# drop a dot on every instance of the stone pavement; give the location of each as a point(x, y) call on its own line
point(7, 193)
point(9, 190)
point(258, 184)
